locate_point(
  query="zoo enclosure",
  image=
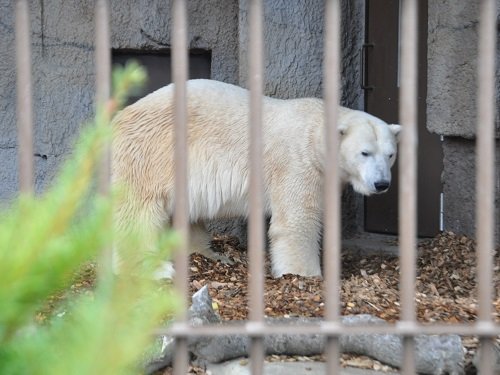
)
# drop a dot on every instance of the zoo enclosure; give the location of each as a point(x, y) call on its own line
point(407, 327)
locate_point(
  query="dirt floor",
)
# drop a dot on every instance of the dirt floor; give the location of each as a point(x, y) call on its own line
point(446, 287)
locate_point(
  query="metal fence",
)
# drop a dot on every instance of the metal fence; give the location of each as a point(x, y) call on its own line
point(485, 328)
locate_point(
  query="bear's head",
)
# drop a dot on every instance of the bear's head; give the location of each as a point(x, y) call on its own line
point(368, 149)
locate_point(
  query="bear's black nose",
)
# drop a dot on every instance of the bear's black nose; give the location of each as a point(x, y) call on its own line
point(382, 186)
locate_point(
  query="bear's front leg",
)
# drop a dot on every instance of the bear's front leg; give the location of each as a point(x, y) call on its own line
point(295, 233)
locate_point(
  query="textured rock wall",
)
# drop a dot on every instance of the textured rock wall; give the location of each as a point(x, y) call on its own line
point(451, 105)
point(293, 48)
point(213, 25)
point(63, 66)
point(452, 67)
point(62, 85)
point(460, 186)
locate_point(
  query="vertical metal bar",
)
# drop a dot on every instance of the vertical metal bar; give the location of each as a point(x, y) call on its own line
point(485, 172)
point(24, 97)
point(103, 92)
point(408, 174)
point(487, 357)
point(256, 196)
point(332, 189)
point(409, 355)
point(103, 83)
point(181, 209)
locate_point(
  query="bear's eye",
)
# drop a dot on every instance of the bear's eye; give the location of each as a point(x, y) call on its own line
point(390, 156)
point(364, 153)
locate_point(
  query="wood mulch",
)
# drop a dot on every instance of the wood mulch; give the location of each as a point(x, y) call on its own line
point(446, 284)
point(446, 288)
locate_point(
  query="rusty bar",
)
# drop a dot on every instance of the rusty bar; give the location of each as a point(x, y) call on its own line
point(256, 194)
point(485, 173)
point(490, 330)
point(24, 97)
point(181, 209)
point(103, 82)
point(408, 173)
point(332, 189)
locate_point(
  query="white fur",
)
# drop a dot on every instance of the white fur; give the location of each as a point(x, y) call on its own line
point(294, 153)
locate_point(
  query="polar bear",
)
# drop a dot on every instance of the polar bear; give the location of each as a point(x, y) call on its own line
point(218, 143)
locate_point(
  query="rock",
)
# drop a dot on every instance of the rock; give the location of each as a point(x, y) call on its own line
point(434, 354)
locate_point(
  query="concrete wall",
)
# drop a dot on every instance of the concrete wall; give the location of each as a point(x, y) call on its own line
point(293, 49)
point(63, 66)
point(460, 185)
point(451, 105)
point(213, 25)
point(62, 83)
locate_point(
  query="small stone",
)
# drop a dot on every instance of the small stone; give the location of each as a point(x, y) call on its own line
point(243, 362)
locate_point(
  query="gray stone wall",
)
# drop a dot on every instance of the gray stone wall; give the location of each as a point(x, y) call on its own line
point(63, 90)
point(213, 25)
point(460, 186)
point(452, 67)
point(451, 105)
point(293, 48)
point(63, 67)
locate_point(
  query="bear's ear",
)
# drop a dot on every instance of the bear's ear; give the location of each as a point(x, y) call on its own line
point(342, 127)
point(395, 129)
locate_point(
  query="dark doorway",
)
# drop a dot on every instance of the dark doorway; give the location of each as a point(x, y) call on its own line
point(381, 84)
point(158, 65)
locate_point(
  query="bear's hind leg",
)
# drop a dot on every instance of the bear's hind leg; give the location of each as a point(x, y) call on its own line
point(138, 225)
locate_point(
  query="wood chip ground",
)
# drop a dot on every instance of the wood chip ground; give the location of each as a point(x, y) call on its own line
point(446, 289)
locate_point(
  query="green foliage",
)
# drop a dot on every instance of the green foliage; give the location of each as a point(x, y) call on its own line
point(127, 81)
point(45, 240)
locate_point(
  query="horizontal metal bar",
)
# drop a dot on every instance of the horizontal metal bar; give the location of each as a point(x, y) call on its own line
point(255, 329)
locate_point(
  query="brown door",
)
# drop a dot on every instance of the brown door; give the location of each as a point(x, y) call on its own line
point(381, 84)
